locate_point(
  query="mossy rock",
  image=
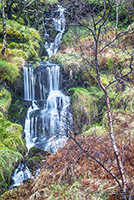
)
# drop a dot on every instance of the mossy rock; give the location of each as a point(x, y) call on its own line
point(5, 101)
point(8, 158)
point(20, 53)
point(34, 151)
point(22, 40)
point(35, 157)
point(84, 108)
point(22, 46)
point(14, 141)
point(12, 148)
point(8, 71)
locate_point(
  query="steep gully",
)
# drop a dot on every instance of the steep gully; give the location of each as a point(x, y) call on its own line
point(48, 118)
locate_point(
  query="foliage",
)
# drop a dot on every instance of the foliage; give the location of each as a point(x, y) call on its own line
point(92, 53)
point(8, 71)
point(22, 45)
point(22, 41)
point(12, 147)
point(87, 104)
point(73, 33)
point(70, 174)
point(95, 130)
point(84, 109)
point(77, 58)
point(5, 101)
point(88, 107)
point(8, 158)
point(125, 100)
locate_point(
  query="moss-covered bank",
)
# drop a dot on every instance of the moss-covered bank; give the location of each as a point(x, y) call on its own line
point(22, 47)
point(12, 145)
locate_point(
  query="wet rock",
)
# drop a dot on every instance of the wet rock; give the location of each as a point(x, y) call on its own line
point(35, 157)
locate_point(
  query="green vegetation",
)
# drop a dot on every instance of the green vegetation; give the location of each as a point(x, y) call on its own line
point(12, 148)
point(22, 42)
point(22, 46)
point(8, 71)
point(77, 176)
point(8, 158)
point(5, 101)
point(84, 107)
point(12, 145)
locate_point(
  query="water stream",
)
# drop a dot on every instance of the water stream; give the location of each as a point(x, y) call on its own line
point(48, 118)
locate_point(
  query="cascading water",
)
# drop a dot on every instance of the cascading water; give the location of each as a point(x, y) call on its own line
point(48, 118)
point(57, 19)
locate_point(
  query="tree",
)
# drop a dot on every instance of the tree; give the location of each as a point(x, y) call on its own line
point(4, 28)
point(85, 16)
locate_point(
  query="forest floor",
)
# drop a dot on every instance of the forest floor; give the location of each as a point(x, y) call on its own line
point(71, 174)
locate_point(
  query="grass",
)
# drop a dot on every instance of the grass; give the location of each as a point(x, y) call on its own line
point(70, 174)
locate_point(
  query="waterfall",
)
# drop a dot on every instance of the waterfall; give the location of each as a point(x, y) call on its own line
point(58, 22)
point(48, 118)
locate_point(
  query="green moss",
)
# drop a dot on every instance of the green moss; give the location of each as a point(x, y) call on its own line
point(50, 1)
point(8, 158)
point(14, 140)
point(17, 52)
point(12, 146)
point(73, 33)
point(8, 71)
point(84, 108)
point(96, 130)
point(23, 38)
point(34, 34)
point(125, 100)
point(68, 61)
point(5, 101)
point(20, 20)
point(19, 61)
point(131, 26)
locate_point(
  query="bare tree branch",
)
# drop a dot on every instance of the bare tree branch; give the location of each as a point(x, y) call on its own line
point(4, 28)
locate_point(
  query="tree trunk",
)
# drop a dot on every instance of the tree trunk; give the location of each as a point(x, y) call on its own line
point(118, 158)
point(110, 121)
point(4, 28)
point(117, 16)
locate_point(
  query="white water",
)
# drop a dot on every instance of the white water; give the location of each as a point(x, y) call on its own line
point(21, 174)
point(59, 25)
point(53, 118)
point(48, 118)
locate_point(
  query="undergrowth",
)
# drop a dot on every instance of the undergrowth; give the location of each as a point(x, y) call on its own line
point(71, 174)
